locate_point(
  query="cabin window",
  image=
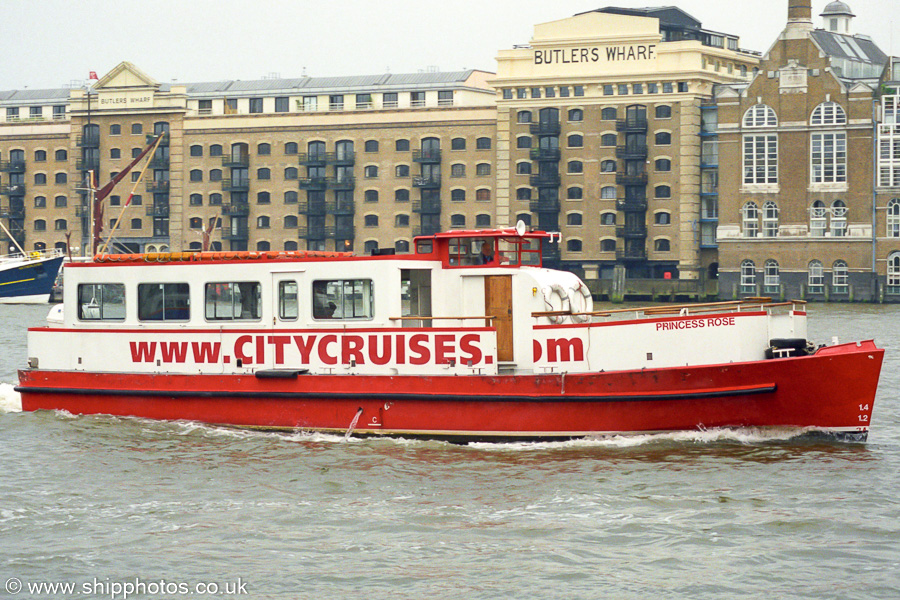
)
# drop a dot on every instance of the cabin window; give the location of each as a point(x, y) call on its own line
point(343, 299)
point(101, 301)
point(288, 308)
point(233, 301)
point(164, 302)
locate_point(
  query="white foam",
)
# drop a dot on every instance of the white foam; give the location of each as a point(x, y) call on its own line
point(10, 400)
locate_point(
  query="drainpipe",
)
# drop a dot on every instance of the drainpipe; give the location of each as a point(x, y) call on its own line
point(874, 193)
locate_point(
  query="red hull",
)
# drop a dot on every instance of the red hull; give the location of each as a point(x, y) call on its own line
point(833, 390)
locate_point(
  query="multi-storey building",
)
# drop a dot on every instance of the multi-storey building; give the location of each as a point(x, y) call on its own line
point(808, 178)
point(601, 127)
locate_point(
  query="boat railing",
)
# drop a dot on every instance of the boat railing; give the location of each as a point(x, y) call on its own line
point(33, 255)
point(414, 318)
point(646, 312)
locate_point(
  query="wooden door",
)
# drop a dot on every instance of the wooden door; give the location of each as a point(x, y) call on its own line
point(498, 304)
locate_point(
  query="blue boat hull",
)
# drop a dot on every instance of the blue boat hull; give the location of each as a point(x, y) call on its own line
point(28, 282)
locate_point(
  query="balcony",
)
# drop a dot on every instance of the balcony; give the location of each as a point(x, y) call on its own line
point(431, 181)
point(632, 151)
point(87, 164)
point(632, 124)
point(158, 162)
point(17, 212)
point(312, 183)
point(427, 207)
point(18, 235)
point(545, 180)
point(341, 183)
point(429, 156)
point(158, 210)
point(311, 233)
point(544, 206)
point(632, 231)
point(158, 187)
point(628, 205)
point(238, 233)
point(425, 229)
point(313, 159)
point(341, 232)
point(235, 185)
point(151, 137)
point(341, 208)
point(236, 209)
point(12, 166)
point(545, 154)
point(631, 255)
point(12, 189)
point(344, 158)
point(236, 161)
point(90, 140)
point(311, 208)
point(546, 128)
point(631, 179)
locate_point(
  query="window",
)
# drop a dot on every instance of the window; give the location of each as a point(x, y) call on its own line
point(608, 140)
point(215, 174)
point(839, 276)
point(458, 143)
point(401, 221)
point(115, 200)
point(233, 301)
point(664, 111)
point(575, 167)
point(343, 299)
point(893, 273)
point(263, 198)
point(262, 222)
point(290, 222)
point(136, 224)
point(663, 191)
point(662, 218)
point(336, 102)
point(817, 219)
point(458, 170)
point(576, 114)
point(457, 221)
point(370, 196)
point(575, 141)
point(608, 166)
point(563, 91)
point(61, 155)
point(483, 143)
point(401, 196)
point(417, 99)
point(770, 219)
point(282, 104)
point(893, 218)
point(135, 152)
point(608, 218)
point(828, 113)
point(215, 199)
point(574, 193)
point(608, 193)
point(608, 114)
point(40, 202)
point(668, 88)
point(523, 116)
point(290, 173)
point(482, 169)
point(291, 148)
point(263, 174)
point(838, 218)
point(61, 225)
point(370, 221)
point(371, 146)
point(389, 100)
point(750, 220)
point(401, 145)
point(661, 245)
point(401, 246)
point(760, 115)
point(61, 178)
point(771, 277)
point(663, 165)
point(663, 138)
point(816, 277)
point(482, 221)
point(370, 171)
point(137, 129)
point(523, 194)
point(136, 200)
point(40, 225)
point(573, 245)
point(523, 141)
point(507, 94)
point(40, 155)
point(760, 159)
point(164, 302)
point(622, 89)
point(579, 90)
point(196, 175)
point(264, 149)
point(828, 156)
point(523, 168)
point(288, 307)
point(195, 223)
point(60, 202)
point(748, 277)
point(483, 195)
point(574, 219)
point(638, 88)
point(101, 301)
point(535, 92)
point(607, 245)
point(683, 87)
point(196, 150)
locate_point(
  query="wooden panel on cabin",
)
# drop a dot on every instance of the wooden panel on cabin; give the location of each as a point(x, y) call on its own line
point(498, 304)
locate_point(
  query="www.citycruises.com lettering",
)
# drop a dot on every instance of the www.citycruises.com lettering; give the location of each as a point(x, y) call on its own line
point(328, 349)
point(565, 56)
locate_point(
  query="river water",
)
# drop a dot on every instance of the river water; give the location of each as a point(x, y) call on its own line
point(130, 508)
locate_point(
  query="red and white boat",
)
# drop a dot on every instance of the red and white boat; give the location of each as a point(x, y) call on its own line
point(441, 343)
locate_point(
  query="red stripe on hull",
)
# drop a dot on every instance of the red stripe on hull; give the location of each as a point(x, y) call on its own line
point(833, 389)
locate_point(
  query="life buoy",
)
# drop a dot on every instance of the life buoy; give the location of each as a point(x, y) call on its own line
point(581, 302)
point(565, 305)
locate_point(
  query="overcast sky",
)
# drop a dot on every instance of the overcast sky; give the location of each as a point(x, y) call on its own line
point(51, 43)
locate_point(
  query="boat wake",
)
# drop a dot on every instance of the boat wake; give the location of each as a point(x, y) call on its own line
point(10, 399)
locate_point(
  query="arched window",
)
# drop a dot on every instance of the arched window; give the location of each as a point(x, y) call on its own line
point(575, 167)
point(663, 165)
point(482, 221)
point(195, 223)
point(750, 220)
point(61, 178)
point(401, 221)
point(893, 218)
point(290, 197)
point(662, 191)
point(370, 221)
point(664, 111)
point(607, 245)
point(401, 196)
point(291, 148)
point(458, 143)
point(748, 277)
point(263, 174)
point(770, 219)
point(40, 202)
point(401, 170)
point(523, 194)
point(608, 218)
point(573, 219)
point(817, 219)
point(40, 155)
point(370, 246)
point(608, 140)
point(483, 143)
point(40, 246)
point(457, 195)
point(401, 246)
point(608, 166)
point(215, 174)
point(370, 171)
point(290, 246)
point(525, 218)
point(893, 273)
point(215, 199)
point(608, 192)
point(370, 196)
point(263, 198)
point(523, 141)
point(760, 115)
point(663, 138)
point(482, 169)
point(828, 113)
point(483, 195)
point(215, 150)
point(264, 149)
point(661, 245)
point(815, 277)
point(523, 168)
point(263, 246)
point(290, 173)
point(523, 116)
point(290, 221)
point(457, 170)
point(576, 114)
point(61, 225)
point(574, 193)
point(262, 222)
point(196, 175)
point(60, 201)
point(608, 114)
point(371, 146)
point(195, 246)
point(662, 218)
point(771, 277)
point(40, 225)
point(196, 150)
point(61, 155)
point(458, 221)
point(573, 245)
point(839, 276)
point(838, 218)
point(315, 150)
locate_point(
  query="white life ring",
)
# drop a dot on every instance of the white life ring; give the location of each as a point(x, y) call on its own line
point(565, 305)
point(581, 302)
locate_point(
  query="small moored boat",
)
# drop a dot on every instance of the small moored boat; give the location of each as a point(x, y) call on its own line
point(467, 337)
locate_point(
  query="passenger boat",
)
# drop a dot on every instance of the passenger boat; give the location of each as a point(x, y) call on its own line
point(28, 277)
point(466, 337)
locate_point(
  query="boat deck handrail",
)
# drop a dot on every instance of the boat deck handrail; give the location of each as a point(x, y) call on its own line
point(413, 318)
point(679, 309)
point(33, 255)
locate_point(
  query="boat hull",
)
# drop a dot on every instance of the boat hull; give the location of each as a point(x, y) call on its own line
point(28, 282)
point(832, 390)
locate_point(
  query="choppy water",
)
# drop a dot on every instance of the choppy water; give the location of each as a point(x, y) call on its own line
point(103, 502)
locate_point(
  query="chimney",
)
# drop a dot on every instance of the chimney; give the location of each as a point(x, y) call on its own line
point(799, 21)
